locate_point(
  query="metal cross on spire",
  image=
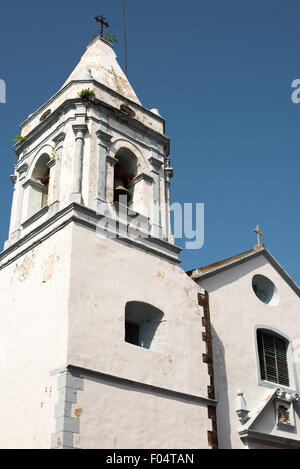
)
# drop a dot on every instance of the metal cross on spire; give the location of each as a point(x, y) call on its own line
point(259, 234)
point(100, 19)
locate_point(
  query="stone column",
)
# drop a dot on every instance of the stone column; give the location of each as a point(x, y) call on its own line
point(13, 179)
point(156, 229)
point(103, 141)
point(22, 171)
point(168, 176)
point(76, 195)
point(58, 148)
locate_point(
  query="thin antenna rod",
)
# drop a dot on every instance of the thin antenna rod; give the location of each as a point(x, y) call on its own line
point(125, 35)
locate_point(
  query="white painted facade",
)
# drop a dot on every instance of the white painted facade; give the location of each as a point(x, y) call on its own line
point(69, 378)
point(236, 314)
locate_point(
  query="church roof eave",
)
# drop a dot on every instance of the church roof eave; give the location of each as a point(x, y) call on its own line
point(217, 267)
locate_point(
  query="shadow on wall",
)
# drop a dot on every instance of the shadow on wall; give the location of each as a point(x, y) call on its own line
point(221, 392)
point(145, 326)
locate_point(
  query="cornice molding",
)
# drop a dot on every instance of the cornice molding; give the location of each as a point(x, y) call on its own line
point(143, 386)
point(89, 218)
point(32, 182)
point(79, 128)
point(104, 136)
point(71, 103)
point(141, 177)
point(59, 138)
point(98, 85)
point(111, 160)
point(23, 168)
point(267, 438)
point(13, 178)
point(169, 172)
point(155, 162)
point(51, 163)
point(35, 217)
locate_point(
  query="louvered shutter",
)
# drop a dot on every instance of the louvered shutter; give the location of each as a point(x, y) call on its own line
point(272, 351)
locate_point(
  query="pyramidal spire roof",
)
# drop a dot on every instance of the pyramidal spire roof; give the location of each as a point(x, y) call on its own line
point(99, 62)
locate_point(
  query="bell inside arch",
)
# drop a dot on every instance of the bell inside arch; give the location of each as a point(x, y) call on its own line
point(121, 183)
point(120, 191)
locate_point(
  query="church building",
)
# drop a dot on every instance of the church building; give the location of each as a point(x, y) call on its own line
point(105, 341)
point(254, 316)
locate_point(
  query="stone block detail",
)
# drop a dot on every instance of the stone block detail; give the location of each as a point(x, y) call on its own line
point(68, 384)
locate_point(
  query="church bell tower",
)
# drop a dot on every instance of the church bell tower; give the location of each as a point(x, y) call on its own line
point(101, 331)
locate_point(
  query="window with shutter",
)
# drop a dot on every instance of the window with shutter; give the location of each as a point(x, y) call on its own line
point(272, 351)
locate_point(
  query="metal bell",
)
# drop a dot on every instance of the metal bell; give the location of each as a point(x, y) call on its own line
point(120, 190)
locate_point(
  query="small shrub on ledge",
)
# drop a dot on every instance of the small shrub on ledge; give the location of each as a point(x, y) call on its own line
point(85, 94)
point(19, 139)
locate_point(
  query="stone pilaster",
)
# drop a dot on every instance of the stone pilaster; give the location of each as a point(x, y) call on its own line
point(156, 229)
point(168, 176)
point(22, 171)
point(58, 149)
point(79, 130)
point(103, 142)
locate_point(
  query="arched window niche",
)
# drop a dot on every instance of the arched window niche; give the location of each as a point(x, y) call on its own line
point(274, 358)
point(145, 326)
point(39, 186)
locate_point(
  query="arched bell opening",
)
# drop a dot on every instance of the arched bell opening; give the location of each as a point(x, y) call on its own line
point(39, 185)
point(125, 171)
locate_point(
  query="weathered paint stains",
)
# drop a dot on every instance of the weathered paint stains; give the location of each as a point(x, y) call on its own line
point(49, 267)
point(160, 275)
point(78, 412)
point(23, 270)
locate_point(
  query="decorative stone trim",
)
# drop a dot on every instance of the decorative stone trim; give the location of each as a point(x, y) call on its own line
point(203, 300)
point(169, 172)
point(252, 435)
point(33, 182)
point(76, 213)
point(39, 130)
point(23, 169)
point(143, 387)
point(140, 177)
point(111, 160)
point(241, 408)
point(69, 382)
point(35, 217)
point(155, 162)
point(79, 128)
point(13, 178)
point(105, 137)
point(59, 138)
point(51, 163)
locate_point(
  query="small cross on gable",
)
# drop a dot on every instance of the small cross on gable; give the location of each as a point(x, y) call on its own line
point(259, 234)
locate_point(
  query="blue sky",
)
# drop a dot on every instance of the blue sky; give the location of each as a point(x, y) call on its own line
point(220, 72)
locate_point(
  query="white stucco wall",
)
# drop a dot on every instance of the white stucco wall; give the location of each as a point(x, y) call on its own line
point(116, 416)
point(105, 274)
point(235, 312)
point(33, 341)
